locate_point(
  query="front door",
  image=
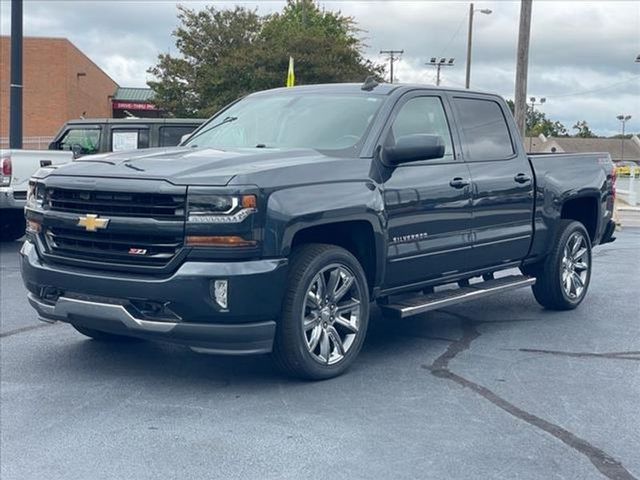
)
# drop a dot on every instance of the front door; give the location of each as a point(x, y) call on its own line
point(428, 203)
point(502, 183)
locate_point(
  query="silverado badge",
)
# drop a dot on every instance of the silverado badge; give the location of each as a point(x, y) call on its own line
point(92, 223)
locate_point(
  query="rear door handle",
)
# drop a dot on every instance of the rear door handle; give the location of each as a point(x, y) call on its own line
point(522, 178)
point(459, 182)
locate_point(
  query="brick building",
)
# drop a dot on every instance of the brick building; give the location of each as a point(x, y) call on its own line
point(60, 83)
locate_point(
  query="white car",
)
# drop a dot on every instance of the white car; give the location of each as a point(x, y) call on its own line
point(16, 167)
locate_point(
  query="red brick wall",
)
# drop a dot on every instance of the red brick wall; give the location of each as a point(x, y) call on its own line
point(53, 92)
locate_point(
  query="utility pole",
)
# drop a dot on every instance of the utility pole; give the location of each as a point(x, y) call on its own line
point(486, 11)
point(394, 55)
point(522, 66)
point(443, 62)
point(15, 102)
point(469, 40)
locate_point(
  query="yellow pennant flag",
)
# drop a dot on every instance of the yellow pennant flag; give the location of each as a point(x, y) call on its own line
point(291, 77)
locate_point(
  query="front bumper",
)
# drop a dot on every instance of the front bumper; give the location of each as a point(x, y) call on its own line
point(110, 302)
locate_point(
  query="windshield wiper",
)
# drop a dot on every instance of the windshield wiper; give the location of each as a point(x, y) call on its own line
point(222, 122)
point(128, 165)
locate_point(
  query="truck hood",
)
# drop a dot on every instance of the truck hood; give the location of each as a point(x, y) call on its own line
point(189, 166)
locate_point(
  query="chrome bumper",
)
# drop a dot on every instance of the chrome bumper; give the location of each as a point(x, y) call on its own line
point(225, 339)
point(65, 308)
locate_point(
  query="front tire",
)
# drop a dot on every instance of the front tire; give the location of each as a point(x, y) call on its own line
point(563, 278)
point(325, 313)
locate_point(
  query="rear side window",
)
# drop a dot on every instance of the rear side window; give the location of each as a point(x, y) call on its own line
point(171, 136)
point(129, 139)
point(484, 129)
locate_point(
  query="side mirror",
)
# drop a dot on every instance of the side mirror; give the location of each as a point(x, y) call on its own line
point(76, 149)
point(413, 148)
point(184, 137)
point(54, 146)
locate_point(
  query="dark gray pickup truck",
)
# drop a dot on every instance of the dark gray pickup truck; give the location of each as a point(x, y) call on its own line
point(277, 223)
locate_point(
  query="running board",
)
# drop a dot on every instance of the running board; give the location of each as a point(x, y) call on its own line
point(424, 303)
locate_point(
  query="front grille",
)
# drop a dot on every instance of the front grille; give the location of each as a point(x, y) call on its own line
point(109, 247)
point(148, 205)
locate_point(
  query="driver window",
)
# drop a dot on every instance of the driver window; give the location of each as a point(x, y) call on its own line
point(88, 139)
point(423, 115)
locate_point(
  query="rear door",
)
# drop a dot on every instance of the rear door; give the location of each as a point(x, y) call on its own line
point(502, 194)
point(428, 203)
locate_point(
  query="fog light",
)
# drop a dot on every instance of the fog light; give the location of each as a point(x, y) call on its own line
point(220, 290)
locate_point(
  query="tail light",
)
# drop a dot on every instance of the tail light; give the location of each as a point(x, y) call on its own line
point(5, 171)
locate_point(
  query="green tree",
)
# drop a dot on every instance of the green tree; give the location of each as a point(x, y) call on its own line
point(548, 128)
point(216, 47)
point(225, 54)
point(583, 130)
point(538, 123)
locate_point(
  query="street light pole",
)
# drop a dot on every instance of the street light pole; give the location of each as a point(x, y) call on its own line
point(486, 11)
point(533, 109)
point(443, 62)
point(623, 120)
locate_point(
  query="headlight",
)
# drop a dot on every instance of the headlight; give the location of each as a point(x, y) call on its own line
point(205, 208)
point(35, 196)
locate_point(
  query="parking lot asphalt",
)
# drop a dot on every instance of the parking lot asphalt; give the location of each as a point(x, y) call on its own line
point(496, 389)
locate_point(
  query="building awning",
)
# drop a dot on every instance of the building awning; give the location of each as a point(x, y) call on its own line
point(133, 98)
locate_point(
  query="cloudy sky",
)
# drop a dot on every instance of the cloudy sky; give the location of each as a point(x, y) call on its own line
point(581, 58)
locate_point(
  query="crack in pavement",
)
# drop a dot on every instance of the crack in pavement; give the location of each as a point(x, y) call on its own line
point(604, 463)
point(633, 355)
point(24, 329)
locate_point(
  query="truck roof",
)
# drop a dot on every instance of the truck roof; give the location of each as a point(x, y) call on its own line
point(81, 121)
point(380, 89)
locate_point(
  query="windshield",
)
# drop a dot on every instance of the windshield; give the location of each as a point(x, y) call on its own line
point(327, 122)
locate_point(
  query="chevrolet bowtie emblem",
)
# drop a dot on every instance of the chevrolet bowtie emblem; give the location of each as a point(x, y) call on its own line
point(92, 223)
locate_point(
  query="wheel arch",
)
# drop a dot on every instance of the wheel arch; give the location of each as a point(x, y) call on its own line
point(356, 236)
point(584, 209)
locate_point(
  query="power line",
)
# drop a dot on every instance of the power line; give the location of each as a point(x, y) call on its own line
point(597, 89)
point(455, 34)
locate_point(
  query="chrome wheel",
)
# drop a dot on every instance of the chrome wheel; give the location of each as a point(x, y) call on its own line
point(331, 314)
point(575, 266)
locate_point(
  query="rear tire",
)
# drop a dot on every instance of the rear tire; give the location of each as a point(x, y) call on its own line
point(101, 336)
point(562, 279)
point(325, 313)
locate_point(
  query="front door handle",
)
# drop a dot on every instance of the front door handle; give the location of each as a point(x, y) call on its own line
point(459, 182)
point(522, 178)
